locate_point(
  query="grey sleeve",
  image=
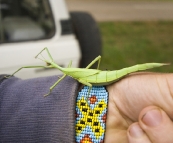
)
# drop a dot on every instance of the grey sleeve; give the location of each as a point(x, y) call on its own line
point(28, 117)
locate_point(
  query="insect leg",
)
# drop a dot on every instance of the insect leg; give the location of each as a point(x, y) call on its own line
point(47, 53)
point(52, 87)
point(94, 61)
point(88, 84)
point(85, 83)
point(39, 53)
point(27, 67)
point(69, 65)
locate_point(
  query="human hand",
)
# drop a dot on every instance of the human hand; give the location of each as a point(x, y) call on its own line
point(140, 109)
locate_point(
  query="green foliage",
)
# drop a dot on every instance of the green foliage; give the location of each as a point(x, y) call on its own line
point(129, 43)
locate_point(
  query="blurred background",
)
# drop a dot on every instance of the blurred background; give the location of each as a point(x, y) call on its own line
point(124, 32)
point(28, 26)
point(133, 31)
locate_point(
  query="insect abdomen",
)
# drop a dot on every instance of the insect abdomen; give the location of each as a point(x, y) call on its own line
point(120, 73)
point(107, 77)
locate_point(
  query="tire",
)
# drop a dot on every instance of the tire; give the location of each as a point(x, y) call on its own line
point(88, 35)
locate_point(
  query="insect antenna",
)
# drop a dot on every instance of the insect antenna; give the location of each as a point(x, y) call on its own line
point(43, 59)
point(40, 59)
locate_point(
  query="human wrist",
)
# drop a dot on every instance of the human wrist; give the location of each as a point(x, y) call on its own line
point(91, 114)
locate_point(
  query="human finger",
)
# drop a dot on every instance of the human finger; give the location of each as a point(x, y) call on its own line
point(156, 124)
point(135, 134)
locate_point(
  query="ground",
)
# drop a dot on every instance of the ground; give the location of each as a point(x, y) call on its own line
point(114, 10)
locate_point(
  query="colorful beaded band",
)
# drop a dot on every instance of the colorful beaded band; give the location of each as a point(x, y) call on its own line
point(91, 115)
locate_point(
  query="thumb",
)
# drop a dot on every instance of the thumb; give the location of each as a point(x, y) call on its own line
point(156, 124)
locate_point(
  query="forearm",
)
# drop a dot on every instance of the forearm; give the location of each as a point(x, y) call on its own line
point(27, 116)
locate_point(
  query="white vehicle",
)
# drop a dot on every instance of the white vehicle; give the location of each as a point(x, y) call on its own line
point(27, 26)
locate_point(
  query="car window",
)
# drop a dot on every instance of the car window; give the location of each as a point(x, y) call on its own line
point(23, 20)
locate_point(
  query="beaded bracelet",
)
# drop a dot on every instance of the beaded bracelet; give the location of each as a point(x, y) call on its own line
point(91, 115)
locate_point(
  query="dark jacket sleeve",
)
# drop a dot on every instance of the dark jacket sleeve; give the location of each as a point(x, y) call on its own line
point(26, 116)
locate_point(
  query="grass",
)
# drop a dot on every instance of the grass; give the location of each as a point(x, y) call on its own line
point(130, 0)
point(145, 0)
point(129, 43)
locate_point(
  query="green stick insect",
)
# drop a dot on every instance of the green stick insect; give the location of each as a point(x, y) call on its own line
point(88, 76)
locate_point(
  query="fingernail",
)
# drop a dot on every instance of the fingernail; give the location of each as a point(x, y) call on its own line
point(152, 118)
point(135, 131)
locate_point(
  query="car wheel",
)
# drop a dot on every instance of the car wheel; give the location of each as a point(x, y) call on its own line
point(87, 32)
